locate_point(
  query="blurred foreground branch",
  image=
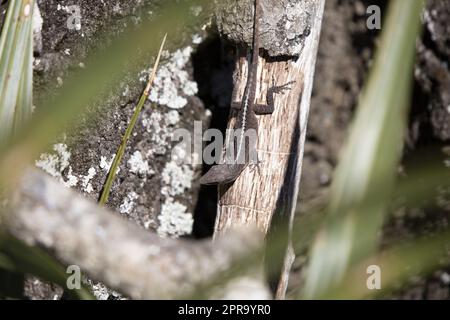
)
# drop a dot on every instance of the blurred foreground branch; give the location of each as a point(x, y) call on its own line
point(137, 262)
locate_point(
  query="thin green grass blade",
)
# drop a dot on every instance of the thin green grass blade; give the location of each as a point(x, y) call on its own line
point(120, 152)
point(367, 170)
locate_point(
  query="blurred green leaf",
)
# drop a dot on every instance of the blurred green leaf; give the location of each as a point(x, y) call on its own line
point(397, 265)
point(16, 74)
point(367, 170)
point(18, 257)
point(418, 188)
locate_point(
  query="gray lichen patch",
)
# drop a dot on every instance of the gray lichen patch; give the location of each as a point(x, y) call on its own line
point(37, 29)
point(56, 164)
point(174, 220)
point(284, 24)
point(172, 82)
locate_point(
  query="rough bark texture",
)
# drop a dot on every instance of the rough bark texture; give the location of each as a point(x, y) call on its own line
point(284, 25)
point(432, 72)
point(151, 178)
point(139, 263)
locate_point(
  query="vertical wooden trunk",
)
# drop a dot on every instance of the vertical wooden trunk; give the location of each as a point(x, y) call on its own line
point(252, 199)
point(270, 191)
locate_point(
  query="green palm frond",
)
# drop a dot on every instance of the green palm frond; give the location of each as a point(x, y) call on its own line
point(16, 73)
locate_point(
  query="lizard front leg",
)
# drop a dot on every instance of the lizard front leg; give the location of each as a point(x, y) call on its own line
point(269, 107)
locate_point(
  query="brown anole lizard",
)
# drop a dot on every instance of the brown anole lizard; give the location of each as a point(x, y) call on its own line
point(246, 117)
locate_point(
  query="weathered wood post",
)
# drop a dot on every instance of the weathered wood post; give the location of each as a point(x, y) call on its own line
point(289, 37)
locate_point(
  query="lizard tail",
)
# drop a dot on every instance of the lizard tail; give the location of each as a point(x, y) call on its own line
point(222, 173)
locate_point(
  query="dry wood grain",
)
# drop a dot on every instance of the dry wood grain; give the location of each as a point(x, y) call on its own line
point(252, 199)
point(268, 193)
